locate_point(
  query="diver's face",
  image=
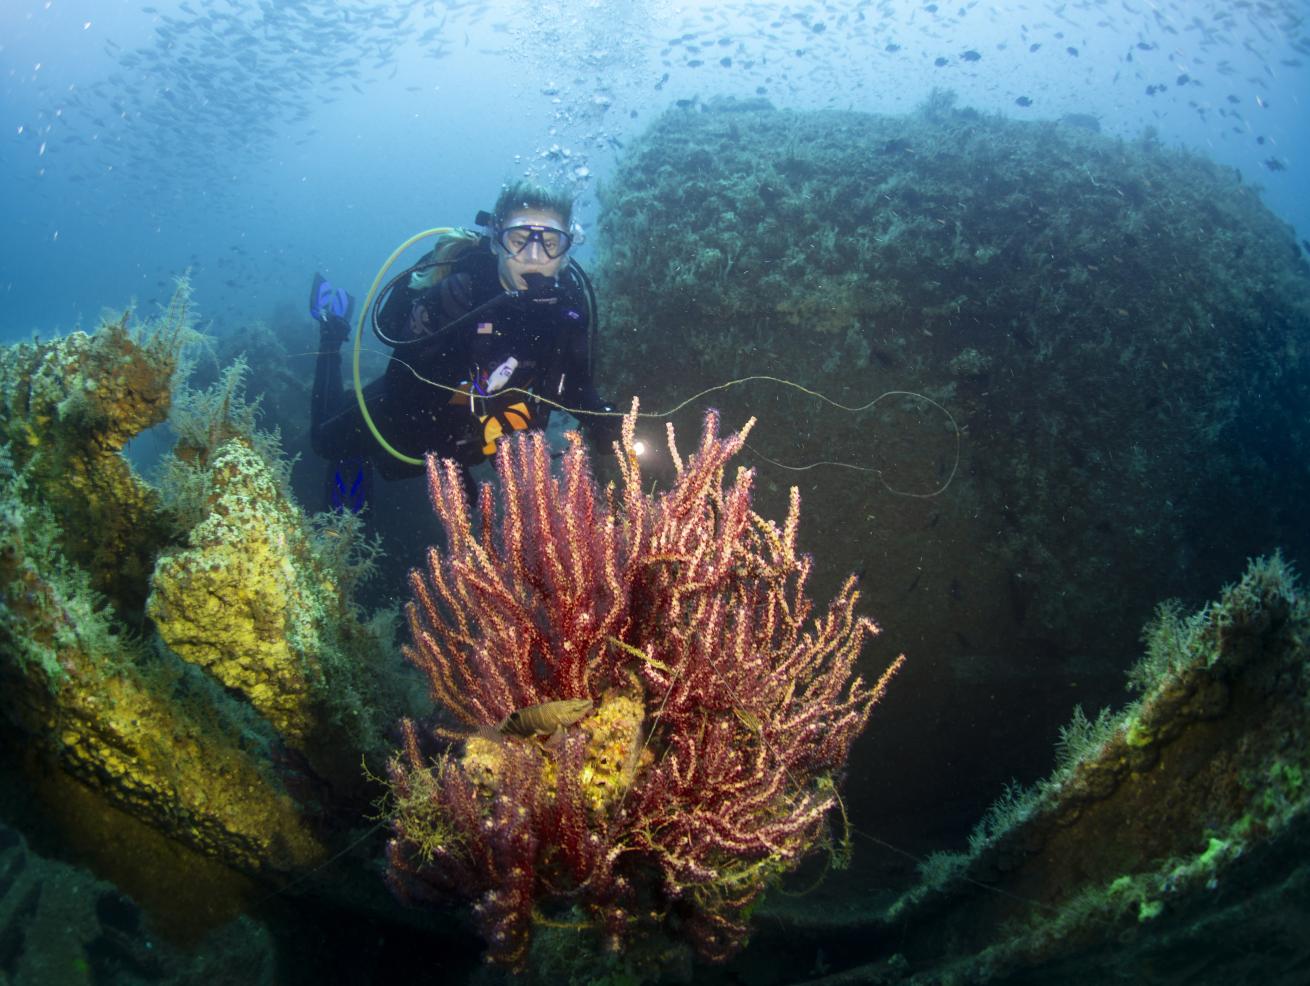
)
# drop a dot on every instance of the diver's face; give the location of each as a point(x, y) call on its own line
point(519, 251)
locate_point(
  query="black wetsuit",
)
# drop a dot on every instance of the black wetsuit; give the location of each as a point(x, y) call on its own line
point(549, 335)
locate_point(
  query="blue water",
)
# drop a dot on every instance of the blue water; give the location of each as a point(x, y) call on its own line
point(253, 143)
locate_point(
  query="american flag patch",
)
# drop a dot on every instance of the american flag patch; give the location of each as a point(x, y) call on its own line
point(484, 328)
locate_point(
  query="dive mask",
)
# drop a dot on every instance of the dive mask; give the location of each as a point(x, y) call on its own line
point(515, 239)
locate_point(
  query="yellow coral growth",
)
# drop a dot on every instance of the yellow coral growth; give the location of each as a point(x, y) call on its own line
point(173, 766)
point(613, 747)
point(69, 407)
point(110, 383)
point(247, 601)
point(82, 692)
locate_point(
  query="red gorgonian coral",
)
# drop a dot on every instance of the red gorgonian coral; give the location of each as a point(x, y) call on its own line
point(722, 711)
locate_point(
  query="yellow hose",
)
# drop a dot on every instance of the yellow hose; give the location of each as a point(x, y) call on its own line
point(359, 339)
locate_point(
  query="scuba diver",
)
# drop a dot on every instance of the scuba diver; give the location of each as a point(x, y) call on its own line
point(496, 318)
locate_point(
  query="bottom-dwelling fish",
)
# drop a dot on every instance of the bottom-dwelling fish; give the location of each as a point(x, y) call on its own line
point(546, 719)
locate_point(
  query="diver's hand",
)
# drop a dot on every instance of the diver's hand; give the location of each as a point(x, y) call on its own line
point(333, 330)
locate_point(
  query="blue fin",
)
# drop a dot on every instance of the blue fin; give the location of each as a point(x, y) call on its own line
point(349, 485)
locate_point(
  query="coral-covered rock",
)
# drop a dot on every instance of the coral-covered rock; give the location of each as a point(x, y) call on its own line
point(70, 405)
point(111, 714)
point(1183, 815)
point(1119, 329)
point(91, 687)
point(244, 601)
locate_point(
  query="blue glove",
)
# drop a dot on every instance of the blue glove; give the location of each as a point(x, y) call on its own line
point(323, 297)
point(330, 307)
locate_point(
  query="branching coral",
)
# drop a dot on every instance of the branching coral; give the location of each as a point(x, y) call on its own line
point(724, 709)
